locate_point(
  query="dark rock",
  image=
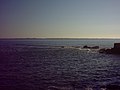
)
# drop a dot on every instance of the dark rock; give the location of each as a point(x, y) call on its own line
point(62, 46)
point(112, 87)
point(94, 47)
point(86, 46)
point(114, 50)
point(117, 45)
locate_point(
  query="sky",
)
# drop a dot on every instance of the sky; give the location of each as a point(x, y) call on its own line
point(59, 18)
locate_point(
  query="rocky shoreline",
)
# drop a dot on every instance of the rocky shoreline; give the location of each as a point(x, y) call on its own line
point(114, 50)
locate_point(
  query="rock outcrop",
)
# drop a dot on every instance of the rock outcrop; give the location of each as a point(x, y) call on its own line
point(114, 50)
point(94, 47)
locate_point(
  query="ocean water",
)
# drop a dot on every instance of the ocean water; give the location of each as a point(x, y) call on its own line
point(43, 64)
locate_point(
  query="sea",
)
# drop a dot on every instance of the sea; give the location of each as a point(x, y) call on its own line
point(58, 64)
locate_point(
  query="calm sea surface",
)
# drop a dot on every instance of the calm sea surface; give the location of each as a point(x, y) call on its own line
point(43, 64)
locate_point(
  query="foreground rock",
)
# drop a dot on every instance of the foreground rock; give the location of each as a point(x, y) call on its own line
point(110, 87)
point(114, 50)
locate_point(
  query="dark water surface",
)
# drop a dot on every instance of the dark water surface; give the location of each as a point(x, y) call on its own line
point(44, 65)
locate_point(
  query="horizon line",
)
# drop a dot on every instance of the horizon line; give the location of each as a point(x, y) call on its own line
point(60, 38)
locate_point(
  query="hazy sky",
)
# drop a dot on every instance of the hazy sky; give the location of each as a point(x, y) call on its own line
point(60, 18)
